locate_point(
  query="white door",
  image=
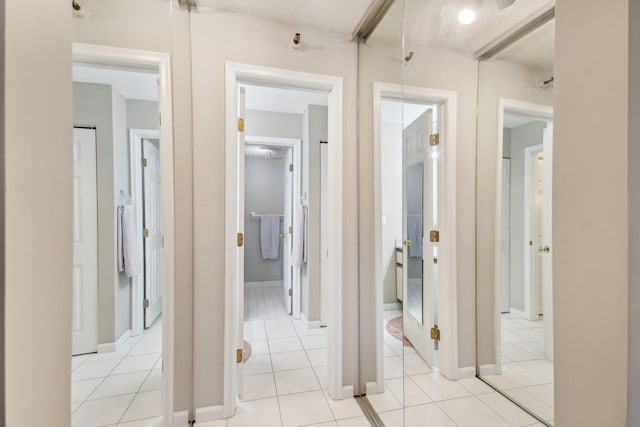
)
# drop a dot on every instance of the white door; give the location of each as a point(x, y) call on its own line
point(506, 236)
point(152, 231)
point(547, 261)
point(240, 228)
point(419, 218)
point(85, 243)
point(537, 206)
point(287, 246)
point(324, 234)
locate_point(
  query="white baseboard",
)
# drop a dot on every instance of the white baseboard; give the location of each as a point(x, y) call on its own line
point(516, 312)
point(347, 392)
point(313, 324)
point(374, 388)
point(114, 346)
point(466, 372)
point(489, 370)
point(209, 413)
point(268, 284)
point(180, 418)
point(392, 306)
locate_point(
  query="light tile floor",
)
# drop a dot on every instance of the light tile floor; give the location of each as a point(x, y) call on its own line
point(121, 388)
point(527, 375)
point(434, 401)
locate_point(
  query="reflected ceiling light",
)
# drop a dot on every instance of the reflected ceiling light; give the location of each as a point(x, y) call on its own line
point(466, 16)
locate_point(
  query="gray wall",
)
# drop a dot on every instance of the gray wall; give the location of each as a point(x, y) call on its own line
point(264, 193)
point(142, 114)
point(315, 130)
point(521, 137)
point(268, 123)
point(391, 179)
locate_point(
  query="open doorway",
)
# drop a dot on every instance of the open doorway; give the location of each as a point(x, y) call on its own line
point(285, 336)
point(118, 239)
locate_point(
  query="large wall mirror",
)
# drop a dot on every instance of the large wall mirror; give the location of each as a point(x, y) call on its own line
point(515, 285)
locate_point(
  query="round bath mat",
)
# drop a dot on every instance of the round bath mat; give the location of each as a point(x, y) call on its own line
point(394, 327)
point(246, 351)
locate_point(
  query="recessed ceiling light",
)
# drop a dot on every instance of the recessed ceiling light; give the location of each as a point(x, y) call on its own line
point(466, 16)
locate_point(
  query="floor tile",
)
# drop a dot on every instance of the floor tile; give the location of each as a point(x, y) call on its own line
point(314, 341)
point(407, 391)
point(145, 405)
point(146, 422)
point(318, 357)
point(101, 412)
point(262, 412)
point(475, 386)
point(322, 373)
point(471, 412)
point(393, 367)
point(507, 410)
point(290, 360)
point(136, 363)
point(258, 364)
point(153, 381)
point(536, 406)
point(304, 408)
point(215, 423)
point(439, 388)
point(80, 390)
point(259, 346)
point(147, 347)
point(427, 415)
point(383, 402)
point(281, 345)
point(296, 381)
point(393, 418)
point(354, 422)
point(116, 385)
point(414, 364)
point(258, 386)
point(94, 370)
point(345, 408)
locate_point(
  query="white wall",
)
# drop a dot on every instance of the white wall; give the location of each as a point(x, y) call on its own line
point(268, 45)
point(273, 124)
point(521, 137)
point(391, 140)
point(497, 79)
point(591, 281)
point(37, 134)
point(264, 193)
point(142, 114)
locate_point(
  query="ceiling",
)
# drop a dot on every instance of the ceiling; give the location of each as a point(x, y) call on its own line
point(537, 49)
point(282, 100)
point(334, 15)
point(435, 22)
point(513, 120)
point(393, 111)
point(131, 84)
point(264, 151)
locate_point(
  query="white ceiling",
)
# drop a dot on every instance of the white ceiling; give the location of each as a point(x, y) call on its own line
point(263, 151)
point(537, 49)
point(334, 15)
point(513, 120)
point(282, 100)
point(435, 22)
point(131, 84)
point(398, 112)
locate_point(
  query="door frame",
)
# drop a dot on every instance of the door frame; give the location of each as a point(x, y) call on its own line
point(236, 73)
point(137, 197)
point(544, 112)
point(296, 145)
point(531, 309)
point(161, 64)
point(447, 302)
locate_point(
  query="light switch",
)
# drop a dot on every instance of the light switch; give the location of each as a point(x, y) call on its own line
point(384, 221)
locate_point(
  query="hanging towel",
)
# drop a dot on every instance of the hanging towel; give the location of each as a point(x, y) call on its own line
point(126, 241)
point(414, 233)
point(270, 236)
point(300, 237)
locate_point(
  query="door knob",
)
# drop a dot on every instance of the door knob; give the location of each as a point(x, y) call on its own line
point(407, 243)
point(546, 249)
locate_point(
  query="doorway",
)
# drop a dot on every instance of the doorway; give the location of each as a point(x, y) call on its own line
point(121, 255)
point(238, 126)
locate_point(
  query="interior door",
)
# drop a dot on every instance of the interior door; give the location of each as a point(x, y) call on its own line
point(287, 246)
point(537, 206)
point(240, 228)
point(152, 231)
point(419, 206)
point(547, 229)
point(85, 243)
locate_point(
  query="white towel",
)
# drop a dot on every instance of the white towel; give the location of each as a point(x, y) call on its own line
point(300, 237)
point(127, 242)
point(414, 233)
point(270, 236)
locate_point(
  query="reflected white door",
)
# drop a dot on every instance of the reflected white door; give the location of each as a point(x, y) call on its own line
point(547, 229)
point(240, 227)
point(85, 243)
point(287, 246)
point(419, 218)
point(505, 297)
point(537, 206)
point(153, 231)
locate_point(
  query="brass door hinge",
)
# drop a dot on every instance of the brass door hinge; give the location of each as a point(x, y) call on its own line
point(240, 125)
point(434, 236)
point(239, 355)
point(145, 303)
point(145, 232)
point(434, 139)
point(290, 292)
point(435, 333)
point(144, 163)
point(290, 168)
point(290, 230)
point(240, 240)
